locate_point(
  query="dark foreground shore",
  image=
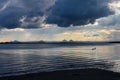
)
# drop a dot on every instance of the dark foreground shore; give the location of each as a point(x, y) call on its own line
point(81, 74)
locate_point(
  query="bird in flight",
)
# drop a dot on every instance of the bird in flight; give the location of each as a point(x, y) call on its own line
point(93, 48)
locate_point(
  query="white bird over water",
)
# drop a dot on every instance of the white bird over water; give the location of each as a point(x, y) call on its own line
point(93, 48)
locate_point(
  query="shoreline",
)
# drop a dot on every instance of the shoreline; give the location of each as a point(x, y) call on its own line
point(78, 74)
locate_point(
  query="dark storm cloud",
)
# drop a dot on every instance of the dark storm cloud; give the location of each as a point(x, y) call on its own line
point(10, 17)
point(78, 12)
point(36, 10)
point(32, 13)
point(2, 2)
point(37, 7)
point(12, 11)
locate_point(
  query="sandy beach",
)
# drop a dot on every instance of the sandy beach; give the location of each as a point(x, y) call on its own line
point(80, 74)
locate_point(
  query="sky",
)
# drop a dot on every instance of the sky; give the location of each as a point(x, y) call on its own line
point(56, 20)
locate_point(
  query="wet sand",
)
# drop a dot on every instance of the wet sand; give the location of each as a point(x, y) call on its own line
point(79, 74)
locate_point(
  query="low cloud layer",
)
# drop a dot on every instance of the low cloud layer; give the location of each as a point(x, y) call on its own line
point(64, 13)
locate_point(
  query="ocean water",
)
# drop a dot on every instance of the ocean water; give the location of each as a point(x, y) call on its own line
point(16, 59)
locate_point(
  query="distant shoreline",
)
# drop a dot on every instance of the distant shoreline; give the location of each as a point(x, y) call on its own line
point(79, 74)
point(55, 42)
point(44, 45)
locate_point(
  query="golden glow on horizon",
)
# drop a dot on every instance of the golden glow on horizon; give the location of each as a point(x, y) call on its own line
point(76, 35)
point(80, 36)
point(108, 31)
point(4, 40)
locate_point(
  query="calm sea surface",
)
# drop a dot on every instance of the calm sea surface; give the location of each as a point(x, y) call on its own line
point(16, 59)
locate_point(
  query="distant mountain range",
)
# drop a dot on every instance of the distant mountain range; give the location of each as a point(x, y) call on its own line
point(61, 42)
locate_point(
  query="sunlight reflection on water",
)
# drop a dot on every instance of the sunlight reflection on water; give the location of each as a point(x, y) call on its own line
point(21, 61)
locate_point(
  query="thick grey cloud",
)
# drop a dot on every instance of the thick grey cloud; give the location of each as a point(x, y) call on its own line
point(32, 13)
point(10, 17)
point(2, 2)
point(78, 12)
point(12, 11)
point(111, 22)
